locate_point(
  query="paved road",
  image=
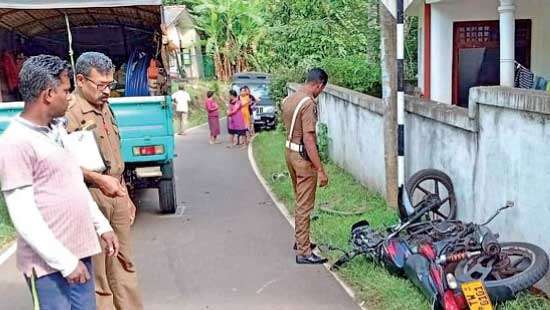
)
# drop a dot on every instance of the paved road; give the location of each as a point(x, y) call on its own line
point(231, 248)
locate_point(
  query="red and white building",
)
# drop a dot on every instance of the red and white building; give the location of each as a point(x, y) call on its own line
point(466, 43)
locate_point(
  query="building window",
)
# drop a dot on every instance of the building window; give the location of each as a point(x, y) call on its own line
point(186, 56)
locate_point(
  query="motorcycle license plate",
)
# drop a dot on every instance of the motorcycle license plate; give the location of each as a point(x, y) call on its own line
point(476, 296)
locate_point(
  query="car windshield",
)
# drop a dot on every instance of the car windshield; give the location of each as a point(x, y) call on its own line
point(259, 91)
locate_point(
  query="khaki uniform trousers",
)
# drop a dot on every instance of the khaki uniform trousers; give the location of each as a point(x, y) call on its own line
point(304, 183)
point(182, 119)
point(115, 277)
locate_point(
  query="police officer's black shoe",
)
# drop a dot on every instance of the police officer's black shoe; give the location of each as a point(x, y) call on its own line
point(311, 246)
point(311, 259)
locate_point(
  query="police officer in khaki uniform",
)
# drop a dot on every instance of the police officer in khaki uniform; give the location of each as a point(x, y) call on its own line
point(115, 277)
point(302, 158)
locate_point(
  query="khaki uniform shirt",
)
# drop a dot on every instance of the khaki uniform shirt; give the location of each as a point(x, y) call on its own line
point(115, 283)
point(82, 115)
point(306, 121)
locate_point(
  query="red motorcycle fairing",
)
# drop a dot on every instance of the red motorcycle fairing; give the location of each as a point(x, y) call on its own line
point(428, 251)
point(449, 301)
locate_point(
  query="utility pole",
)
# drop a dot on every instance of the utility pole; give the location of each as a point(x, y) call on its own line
point(400, 28)
point(388, 53)
point(392, 20)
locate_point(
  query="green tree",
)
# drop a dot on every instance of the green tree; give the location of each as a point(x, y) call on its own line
point(288, 37)
point(341, 36)
point(232, 30)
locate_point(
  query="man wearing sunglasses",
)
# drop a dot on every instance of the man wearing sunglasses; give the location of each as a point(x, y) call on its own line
point(115, 277)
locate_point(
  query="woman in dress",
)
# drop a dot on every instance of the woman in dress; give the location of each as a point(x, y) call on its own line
point(246, 103)
point(237, 126)
point(213, 117)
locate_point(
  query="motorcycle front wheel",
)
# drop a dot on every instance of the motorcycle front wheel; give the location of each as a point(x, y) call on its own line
point(519, 266)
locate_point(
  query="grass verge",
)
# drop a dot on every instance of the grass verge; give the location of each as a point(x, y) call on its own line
point(7, 232)
point(371, 283)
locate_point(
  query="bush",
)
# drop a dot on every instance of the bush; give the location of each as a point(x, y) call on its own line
point(323, 142)
point(354, 72)
point(280, 80)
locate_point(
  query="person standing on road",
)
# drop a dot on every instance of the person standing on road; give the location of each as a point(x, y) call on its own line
point(251, 109)
point(56, 219)
point(212, 109)
point(181, 99)
point(246, 103)
point(302, 158)
point(116, 277)
point(236, 121)
point(230, 126)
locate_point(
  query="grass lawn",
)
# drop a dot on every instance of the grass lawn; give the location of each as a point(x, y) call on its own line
point(7, 233)
point(371, 283)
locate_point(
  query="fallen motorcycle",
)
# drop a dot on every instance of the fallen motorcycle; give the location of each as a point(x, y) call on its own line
point(457, 265)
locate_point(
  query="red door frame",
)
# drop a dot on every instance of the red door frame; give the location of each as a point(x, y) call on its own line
point(428, 51)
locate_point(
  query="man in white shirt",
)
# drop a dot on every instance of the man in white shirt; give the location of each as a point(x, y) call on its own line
point(181, 100)
point(56, 219)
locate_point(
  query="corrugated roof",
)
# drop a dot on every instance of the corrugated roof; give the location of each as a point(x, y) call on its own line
point(30, 23)
point(49, 4)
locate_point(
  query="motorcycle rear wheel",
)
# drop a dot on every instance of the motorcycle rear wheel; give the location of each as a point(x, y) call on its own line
point(531, 259)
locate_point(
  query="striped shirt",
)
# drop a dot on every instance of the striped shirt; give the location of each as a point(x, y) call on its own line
point(31, 156)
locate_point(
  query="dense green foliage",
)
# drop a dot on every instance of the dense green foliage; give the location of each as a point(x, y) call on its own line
point(288, 37)
point(323, 142)
point(231, 29)
point(340, 36)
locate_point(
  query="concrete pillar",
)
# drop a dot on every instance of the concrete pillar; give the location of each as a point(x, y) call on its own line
point(507, 11)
